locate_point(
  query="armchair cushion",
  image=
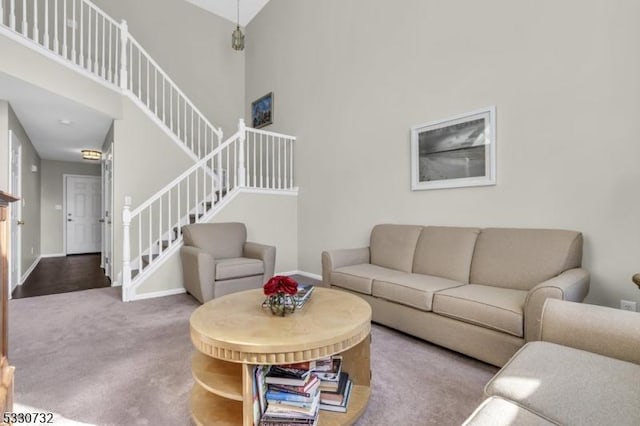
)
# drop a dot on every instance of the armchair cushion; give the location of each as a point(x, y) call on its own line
point(570, 386)
point(221, 240)
point(491, 307)
point(496, 411)
point(238, 267)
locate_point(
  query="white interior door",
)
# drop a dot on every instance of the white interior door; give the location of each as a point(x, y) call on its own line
point(83, 213)
point(15, 174)
point(107, 203)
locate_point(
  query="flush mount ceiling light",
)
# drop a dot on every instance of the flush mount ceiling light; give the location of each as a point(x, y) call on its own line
point(65, 122)
point(237, 38)
point(91, 154)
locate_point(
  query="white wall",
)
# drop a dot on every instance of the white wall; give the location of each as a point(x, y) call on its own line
point(194, 47)
point(52, 220)
point(351, 78)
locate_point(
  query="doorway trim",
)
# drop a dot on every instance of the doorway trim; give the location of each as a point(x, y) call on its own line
point(64, 206)
point(107, 161)
point(15, 253)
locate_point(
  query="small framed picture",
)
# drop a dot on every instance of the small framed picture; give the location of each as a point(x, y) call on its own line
point(262, 111)
point(455, 152)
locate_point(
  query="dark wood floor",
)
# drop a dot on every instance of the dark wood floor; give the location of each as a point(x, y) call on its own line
point(63, 274)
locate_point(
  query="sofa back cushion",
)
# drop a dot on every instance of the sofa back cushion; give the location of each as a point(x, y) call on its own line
point(522, 258)
point(393, 246)
point(221, 240)
point(445, 252)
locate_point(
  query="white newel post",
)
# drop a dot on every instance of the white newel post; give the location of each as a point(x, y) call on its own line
point(126, 248)
point(241, 170)
point(124, 37)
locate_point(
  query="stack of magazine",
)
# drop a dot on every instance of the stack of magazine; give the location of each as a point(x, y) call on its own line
point(304, 294)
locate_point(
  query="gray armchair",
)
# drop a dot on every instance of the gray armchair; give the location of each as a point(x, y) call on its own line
point(218, 260)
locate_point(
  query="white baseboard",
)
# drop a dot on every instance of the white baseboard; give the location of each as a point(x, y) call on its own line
point(155, 294)
point(28, 272)
point(310, 275)
point(53, 255)
point(303, 273)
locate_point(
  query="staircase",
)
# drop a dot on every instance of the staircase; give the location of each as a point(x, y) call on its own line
point(94, 44)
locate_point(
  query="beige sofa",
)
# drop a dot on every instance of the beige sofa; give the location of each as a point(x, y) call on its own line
point(584, 371)
point(476, 291)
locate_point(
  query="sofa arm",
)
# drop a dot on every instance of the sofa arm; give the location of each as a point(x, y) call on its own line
point(265, 253)
point(599, 329)
point(198, 271)
point(572, 285)
point(334, 259)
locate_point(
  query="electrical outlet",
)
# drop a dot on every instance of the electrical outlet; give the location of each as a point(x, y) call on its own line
point(628, 305)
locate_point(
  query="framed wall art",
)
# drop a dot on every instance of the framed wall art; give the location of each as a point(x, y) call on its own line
point(262, 111)
point(455, 152)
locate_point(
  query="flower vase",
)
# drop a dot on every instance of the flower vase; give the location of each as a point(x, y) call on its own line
point(282, 304)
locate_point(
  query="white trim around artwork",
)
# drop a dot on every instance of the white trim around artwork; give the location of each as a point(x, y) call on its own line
point(449, 160)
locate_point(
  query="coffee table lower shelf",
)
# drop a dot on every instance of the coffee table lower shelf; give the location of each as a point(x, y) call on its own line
point(210, 409)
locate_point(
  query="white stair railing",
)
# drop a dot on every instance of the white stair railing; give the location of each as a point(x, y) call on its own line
point(80, 32)
point(155, 89)
point(250, 158)
point(76, 30)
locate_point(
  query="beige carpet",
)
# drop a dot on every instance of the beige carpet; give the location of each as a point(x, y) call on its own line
point(91, 359)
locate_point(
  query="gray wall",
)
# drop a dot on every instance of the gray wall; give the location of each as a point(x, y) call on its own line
point(351, 78)
point(30, 199)
point(30, 195)
point(52, 224)
point(145, 161)
point(194, 48)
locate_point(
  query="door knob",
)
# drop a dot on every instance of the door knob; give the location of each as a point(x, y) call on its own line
point(69, 220)
point(21, 222)
point(101, 220)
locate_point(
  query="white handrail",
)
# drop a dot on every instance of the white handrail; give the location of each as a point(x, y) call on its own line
point(202, 163)
point(139, 85)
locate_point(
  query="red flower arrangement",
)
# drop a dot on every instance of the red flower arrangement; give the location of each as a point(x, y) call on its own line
point(281, 284)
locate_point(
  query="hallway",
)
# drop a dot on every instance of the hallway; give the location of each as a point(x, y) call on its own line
point(62, 275)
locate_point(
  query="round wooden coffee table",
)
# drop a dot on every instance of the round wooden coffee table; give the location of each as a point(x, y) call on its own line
point(233, 333)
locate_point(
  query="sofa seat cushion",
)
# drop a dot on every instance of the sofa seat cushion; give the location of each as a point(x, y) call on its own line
point(359, 278)
point(237, 267)
point(496, 308)
point(499, 412)
point(415, 290)
point(570, 386)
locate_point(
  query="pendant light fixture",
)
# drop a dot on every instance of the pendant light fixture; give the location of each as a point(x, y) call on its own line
point(237, 38)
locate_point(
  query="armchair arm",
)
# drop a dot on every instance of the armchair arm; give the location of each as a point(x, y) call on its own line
point(599, 329)
point(198, 271)
point(572, 285)
point(263, 252)
point(335, 259)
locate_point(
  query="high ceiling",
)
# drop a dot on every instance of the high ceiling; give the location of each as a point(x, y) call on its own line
point(40, 112)
point(228, 8)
